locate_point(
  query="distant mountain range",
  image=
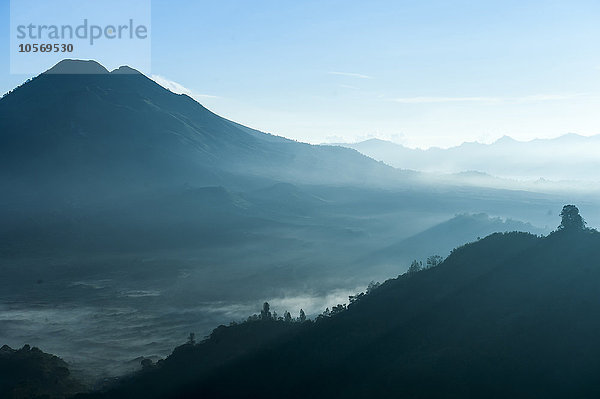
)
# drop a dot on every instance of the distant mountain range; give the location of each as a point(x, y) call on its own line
point(569, 157)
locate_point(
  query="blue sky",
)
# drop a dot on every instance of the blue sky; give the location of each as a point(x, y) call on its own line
point(420, 73)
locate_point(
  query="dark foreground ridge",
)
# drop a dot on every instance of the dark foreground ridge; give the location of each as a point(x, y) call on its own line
point(511, 315)
point(30, 373)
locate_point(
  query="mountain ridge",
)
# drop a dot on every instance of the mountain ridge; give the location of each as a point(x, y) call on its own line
point(509, 315)
point(568, 157)
point(506, 139)
point(180, 139)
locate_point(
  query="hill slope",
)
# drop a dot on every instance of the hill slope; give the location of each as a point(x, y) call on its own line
point(30, 373)
point(512, 315)
point(442, 238)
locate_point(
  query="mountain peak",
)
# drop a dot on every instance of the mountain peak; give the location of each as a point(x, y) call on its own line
point(505, 140)
point(125, 70)
point(572, 137)
point(77, 67)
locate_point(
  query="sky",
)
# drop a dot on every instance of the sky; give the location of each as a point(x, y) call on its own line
point(419, 73)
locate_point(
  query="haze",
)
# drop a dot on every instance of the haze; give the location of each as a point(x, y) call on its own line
point(420, 74)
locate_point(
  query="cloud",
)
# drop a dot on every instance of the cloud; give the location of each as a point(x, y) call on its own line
point(528, 98)
point(179, 88)
point(425, 100)
point(352, 75)
point(549, 97)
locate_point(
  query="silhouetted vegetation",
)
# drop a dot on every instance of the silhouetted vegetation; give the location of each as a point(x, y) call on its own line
point(29, 373)
point(192, 339)
point(511, 315)
point(415, 266)
point(433, 261)
point(302, 317)
point(265, 313)
point(571, 219)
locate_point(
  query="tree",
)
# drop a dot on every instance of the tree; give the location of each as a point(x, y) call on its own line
point(192, 338)
point(571, 219)
point(146, 364)
point(265, 313)
point(287, 317)
point(357, 297)
point(339, 308)
point(302, 316)
point(433, 261)
point(372, 286)
point(414, 267)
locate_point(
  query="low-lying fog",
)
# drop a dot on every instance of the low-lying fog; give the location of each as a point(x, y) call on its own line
point(102, 341)
point(102, 323)
point(102, 306)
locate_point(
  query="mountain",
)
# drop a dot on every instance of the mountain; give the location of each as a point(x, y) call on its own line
point(92, 159)
point(442, 238)
point(569, 157)
point(511, 315)
point(30, 373)
point(90, 154)
point(80, 132)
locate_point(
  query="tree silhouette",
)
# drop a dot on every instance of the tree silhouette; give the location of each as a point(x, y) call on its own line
point(357, 297)
point(339, 308)
point(571, 219)
point(372, 286)
point(265, 313)
point(433, 261)
point(414, 267)
point(302, 316)
point(192, 338)
point(146, 364)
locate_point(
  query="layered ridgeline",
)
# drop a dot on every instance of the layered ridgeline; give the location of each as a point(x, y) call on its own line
point(443, 238)
point(511, 315)
point(567, 158)
point(92, 160)
point(97, 161)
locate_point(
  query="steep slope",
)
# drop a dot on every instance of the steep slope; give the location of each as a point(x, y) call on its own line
point(88, 154)
point(96, 135)
point(512, 315)
point(30, 373)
